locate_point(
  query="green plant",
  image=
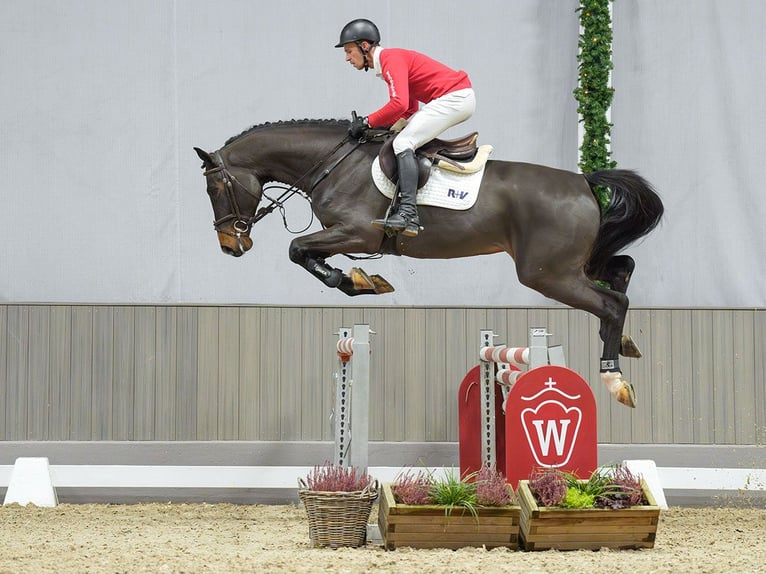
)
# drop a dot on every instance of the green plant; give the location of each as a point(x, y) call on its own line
point(576, 498)
point(598, 484)
point(625, 489)
point(488, 487)
point(594, 94)
point(612, 486)
point(452, 492)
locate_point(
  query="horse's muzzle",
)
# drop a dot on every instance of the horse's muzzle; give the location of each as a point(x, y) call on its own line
point(229, 251)
point(235, 245)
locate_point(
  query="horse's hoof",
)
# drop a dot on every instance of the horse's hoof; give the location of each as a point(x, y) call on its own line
point(629, 348)
point(381, 285)
point(619, 388)
point(362, 281)
point(627, 395)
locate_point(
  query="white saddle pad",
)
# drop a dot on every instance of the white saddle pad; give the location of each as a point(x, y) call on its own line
point(443, 189)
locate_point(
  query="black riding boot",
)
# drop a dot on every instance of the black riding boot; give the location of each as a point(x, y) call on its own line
point(405, 220)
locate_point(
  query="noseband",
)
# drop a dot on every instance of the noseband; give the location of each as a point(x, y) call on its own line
point(241, 225)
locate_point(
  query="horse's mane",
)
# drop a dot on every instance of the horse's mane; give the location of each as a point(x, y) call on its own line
point(288, 123)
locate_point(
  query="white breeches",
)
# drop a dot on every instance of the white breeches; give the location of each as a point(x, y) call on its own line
point(434, 118)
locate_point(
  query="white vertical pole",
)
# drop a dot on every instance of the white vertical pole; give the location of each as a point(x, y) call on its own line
point(360, 398)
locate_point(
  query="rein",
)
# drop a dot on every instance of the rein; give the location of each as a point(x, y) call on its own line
point(242, 224)
point(293, 189)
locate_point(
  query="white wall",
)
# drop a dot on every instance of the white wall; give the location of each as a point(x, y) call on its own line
point(101, 103)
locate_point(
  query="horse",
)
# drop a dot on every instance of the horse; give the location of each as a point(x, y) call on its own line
point(563, 243)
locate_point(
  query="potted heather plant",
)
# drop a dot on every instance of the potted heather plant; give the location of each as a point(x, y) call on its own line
point(613, 508)
point(422, 511)
point(338, 501)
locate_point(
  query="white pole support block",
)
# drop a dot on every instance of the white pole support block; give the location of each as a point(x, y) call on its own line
point(31, 483)
point(556, 356)
point(648, 471)
point(538, 347)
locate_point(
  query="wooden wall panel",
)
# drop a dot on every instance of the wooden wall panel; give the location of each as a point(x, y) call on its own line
point(17, 373)
point(167, 334)
point(743, 365)
point(81, 381)
point(759, 375)
point(723, 385)
point(249, 371)
point(123, 375)
point(101, 427)
point(682, 379)
point(38, 375)
point(228, 350)
point(5, 405)
point(144, 369)
point(266, 373)
point(184, 389)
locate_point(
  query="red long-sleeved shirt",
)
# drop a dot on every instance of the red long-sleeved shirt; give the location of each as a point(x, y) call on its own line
point(412, 77)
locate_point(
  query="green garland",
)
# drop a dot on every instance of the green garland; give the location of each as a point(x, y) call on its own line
point(593, 94)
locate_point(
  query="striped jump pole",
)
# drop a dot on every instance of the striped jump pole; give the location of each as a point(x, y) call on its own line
point(502, 365)
point(351, 415)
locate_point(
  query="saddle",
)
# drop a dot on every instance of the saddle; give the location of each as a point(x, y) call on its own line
point(460, 155)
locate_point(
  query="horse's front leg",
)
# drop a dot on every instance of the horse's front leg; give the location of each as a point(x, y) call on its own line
point(310, 252)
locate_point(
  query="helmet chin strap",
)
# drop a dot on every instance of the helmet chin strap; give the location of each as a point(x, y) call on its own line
point(364, 54)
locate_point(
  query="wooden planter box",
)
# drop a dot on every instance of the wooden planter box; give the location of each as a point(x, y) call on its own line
point(542, 528)
point(427, 526)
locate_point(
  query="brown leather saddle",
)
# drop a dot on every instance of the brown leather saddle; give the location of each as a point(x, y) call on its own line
point(450, 151)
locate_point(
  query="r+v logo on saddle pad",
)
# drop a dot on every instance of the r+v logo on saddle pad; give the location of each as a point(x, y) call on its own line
point(444, 188)
point(461, 195)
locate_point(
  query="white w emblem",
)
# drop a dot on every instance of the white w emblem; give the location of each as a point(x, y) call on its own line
point(551, 424)
point(552, 429)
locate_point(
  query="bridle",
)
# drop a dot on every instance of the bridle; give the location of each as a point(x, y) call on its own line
point(242, 223)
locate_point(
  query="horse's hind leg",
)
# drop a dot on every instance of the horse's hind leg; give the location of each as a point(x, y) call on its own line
point(573, 288)
point(619, 270)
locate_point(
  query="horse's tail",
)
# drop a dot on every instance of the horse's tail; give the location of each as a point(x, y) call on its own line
point(634, 210)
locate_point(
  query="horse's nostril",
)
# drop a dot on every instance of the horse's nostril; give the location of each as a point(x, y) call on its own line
point(230, 251)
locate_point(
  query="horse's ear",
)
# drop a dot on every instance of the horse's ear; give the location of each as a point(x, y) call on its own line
point(207, 161)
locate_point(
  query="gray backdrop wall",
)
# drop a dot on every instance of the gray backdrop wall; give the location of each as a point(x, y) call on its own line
point(102, 101)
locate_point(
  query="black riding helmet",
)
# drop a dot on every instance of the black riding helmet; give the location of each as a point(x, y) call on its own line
point(358, 30)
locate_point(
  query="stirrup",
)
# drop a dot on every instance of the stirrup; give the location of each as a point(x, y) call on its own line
point(397, 223)
point(412, 228)
point(384, 225)
point(392, 224)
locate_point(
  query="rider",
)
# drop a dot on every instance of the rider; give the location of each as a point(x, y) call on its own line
point(412, 78)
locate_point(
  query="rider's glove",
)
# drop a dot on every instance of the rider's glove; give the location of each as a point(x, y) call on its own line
point(359, 127)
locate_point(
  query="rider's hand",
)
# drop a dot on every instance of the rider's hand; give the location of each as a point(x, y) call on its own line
point(359, 127)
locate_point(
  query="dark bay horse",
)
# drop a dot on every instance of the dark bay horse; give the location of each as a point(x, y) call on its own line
point(546, 219)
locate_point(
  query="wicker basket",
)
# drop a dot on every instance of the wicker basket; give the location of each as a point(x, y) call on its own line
point(338, 518)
